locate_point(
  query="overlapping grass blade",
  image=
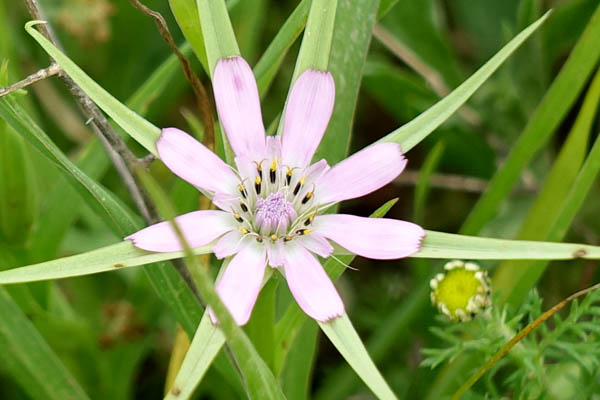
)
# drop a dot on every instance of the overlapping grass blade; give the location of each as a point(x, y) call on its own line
point(136, 126)
point(554, 107)
point(344, 337)
point(514, 279)
point(410, 134)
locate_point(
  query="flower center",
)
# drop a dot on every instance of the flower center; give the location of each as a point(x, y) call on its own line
point(273, 214)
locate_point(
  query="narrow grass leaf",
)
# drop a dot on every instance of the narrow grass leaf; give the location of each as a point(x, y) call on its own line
point(448, 245)
point(41, 374)
point(206, 344)
point(554, 107)
point(549, 203)
point(269, 63)
point(136, 126)
point(344, 337)
point(219, 39)
point(187, 17)
point(117, 256)
point(412, 133)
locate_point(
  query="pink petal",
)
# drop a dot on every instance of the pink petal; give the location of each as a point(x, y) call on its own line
point(230, 243)
point(273, 148)
point(193, 162)
point(379, 238)
point(238, 106)
point(239, 285)
point(307, 114)
point(310, 285)
point(361, 173)
point(198, 227)
point(275, 253)
point(316, 243)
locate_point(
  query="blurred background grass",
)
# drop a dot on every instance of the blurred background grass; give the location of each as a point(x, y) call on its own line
point(111, 330)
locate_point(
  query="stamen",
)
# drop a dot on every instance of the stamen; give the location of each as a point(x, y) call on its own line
point(238, 218)
point(288, 177)
point(243, 206)
point(272, 171)
point(259, 239)
point(244, 231)
point(273, 237)
point(299, 185)
point(308, 196)
point(257, 184)
point(309, 220)
point(302, 232)
point(242, 190)
point(287, 238)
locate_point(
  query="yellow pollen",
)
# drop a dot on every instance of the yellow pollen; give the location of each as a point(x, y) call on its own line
point(244, 231)
point(257, 180)
point(273, 237)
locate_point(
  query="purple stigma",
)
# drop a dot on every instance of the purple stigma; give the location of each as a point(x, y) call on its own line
point(273, 214)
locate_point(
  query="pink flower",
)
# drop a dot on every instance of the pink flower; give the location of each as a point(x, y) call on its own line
point(270, 207)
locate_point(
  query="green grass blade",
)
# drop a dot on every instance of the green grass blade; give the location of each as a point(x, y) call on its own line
point(449, 245)
point(351, 39)
point(392, 331)
point(40, 372)
point(110, 258)
point(344, 337)
point(186, 14)
point(516, 278)
point(435, 245)
point(207, 342)
point(384, 7)
point(410, 134)
point(219, 39)
point(422, 189)
point(316, 42)
point(136, 126)
point(293, 318)
point(104, 202)
point(269, 63)
point(551, 111)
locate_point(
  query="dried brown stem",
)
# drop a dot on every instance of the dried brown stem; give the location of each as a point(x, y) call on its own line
point(52, 70)
point(202, 97)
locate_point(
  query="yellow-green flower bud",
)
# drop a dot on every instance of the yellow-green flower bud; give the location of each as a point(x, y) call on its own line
point(462, 291)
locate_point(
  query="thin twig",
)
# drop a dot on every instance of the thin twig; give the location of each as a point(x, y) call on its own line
point(202, 98)
point(517, 338)
point(52, 70)
point(96, 118)
point(111, 140)
point(432, 77)
point(456, 182)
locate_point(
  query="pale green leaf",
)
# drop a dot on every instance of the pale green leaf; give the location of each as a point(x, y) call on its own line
point(344, 337)
point(219, 39)
point(410, 134)
point(121, 255)
point(137, 127)
point(205, 346)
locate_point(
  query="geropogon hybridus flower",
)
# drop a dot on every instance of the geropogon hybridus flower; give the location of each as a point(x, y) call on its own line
point(270, 206)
